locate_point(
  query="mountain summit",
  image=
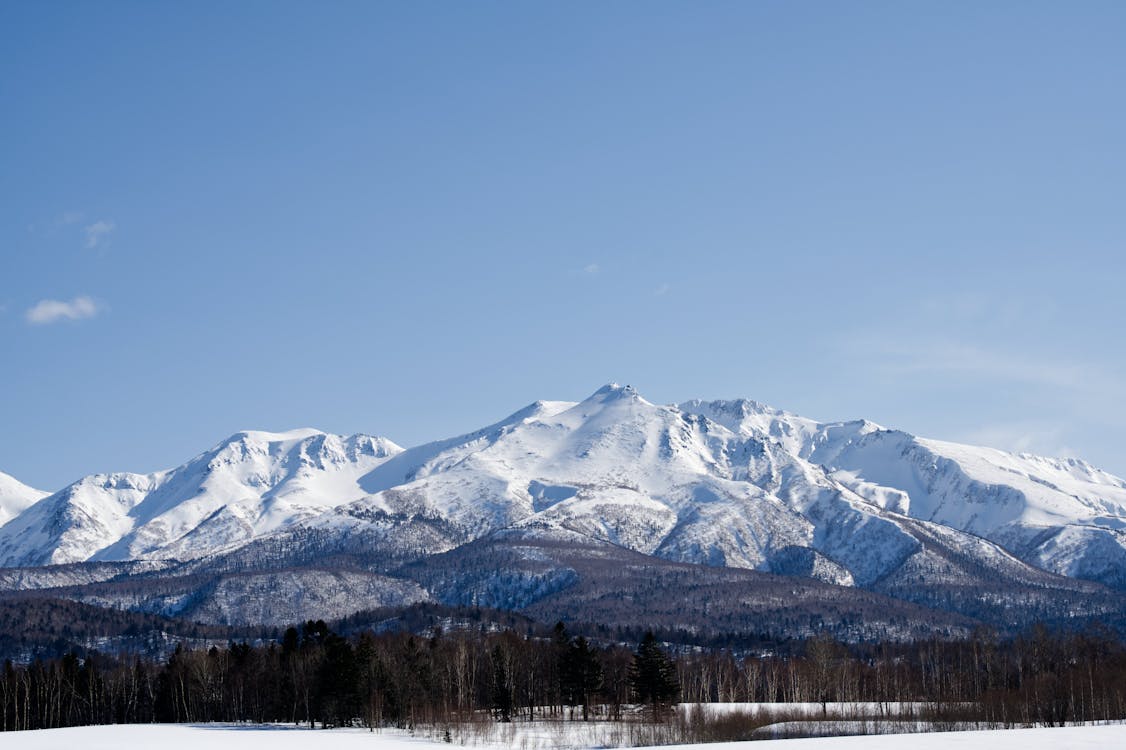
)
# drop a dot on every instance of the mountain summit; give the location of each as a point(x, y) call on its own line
point(16, 497)
point(732, 484)
point(248, 485)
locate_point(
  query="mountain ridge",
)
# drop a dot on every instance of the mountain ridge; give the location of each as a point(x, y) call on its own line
point(16, 497)
point(718, 483)
point(251, 481)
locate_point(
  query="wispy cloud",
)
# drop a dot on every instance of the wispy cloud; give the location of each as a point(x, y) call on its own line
point(53, 310)
point(981, 363)
point(974, 337)
point(662, 290)
point(591, 268)
point(971, 367)
point(1078, 390)
point(1022, 437)
point(70, 217)
point(98, 231)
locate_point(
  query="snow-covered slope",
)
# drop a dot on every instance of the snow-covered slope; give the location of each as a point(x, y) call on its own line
point(1063, 515)
point(16, 497)
point(614, 467)
point(731, 483)
point(249, 485)
point(721, 483)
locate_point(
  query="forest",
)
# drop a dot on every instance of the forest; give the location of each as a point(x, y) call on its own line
point(318, 677)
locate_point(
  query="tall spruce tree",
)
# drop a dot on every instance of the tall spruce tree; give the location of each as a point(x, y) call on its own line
point(502, 686)
point(652, 676)
point(564, 678)
point(586, 673)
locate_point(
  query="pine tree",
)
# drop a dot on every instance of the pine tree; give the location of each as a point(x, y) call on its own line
point(502, 687)
point(586, 673)
point(564, 667)
point(652, 676)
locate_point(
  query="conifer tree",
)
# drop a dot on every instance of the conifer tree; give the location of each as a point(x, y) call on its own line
point(502, 687)
point(586, 673)
point(564, 678)
point(652, 675)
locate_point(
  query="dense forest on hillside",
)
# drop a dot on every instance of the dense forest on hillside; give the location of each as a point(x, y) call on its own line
point(314, 675)
point(40, 627)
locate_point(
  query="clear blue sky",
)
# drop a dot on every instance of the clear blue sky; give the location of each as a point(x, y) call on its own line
point(412, 218)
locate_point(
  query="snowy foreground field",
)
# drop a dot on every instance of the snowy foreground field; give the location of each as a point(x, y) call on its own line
point(225, 737)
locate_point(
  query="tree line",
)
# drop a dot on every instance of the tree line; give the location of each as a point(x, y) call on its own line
point(317, 677)
point(320, 678)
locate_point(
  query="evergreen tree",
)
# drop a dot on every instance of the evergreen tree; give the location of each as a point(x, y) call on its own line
point(652, 675)
point(561, 646)
point(502, 687)
point(586, 673)
point(337, 680)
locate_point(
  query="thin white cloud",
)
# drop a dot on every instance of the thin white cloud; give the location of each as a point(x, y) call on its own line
point(1022, 437)
point(591, 269)
point(976, 362)
point(70, 217)
point(663, 289)
point(98, 231)
point(1084, 390)
point(1043, 397)
point(53, 310)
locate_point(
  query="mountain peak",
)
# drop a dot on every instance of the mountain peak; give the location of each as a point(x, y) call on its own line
point(725, 482)
point(737, 408)
point(615, 392)
point(262, 436)
point(15, 497)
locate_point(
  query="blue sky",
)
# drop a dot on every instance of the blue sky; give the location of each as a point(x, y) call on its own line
point(410, 219)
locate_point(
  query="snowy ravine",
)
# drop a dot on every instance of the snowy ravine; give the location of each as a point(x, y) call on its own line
point(722, 483)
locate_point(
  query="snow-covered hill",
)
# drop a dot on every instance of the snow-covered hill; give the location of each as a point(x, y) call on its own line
point(16, 497)
point(247, 486)
point(722, 483)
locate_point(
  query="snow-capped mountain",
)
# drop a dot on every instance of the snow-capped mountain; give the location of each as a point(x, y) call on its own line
point(249, 485)
point(1062, 515)
point(16, 497)
point(739, 484)
point(721, 483)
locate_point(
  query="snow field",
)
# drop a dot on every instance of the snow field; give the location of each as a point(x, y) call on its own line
point(227, 737)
